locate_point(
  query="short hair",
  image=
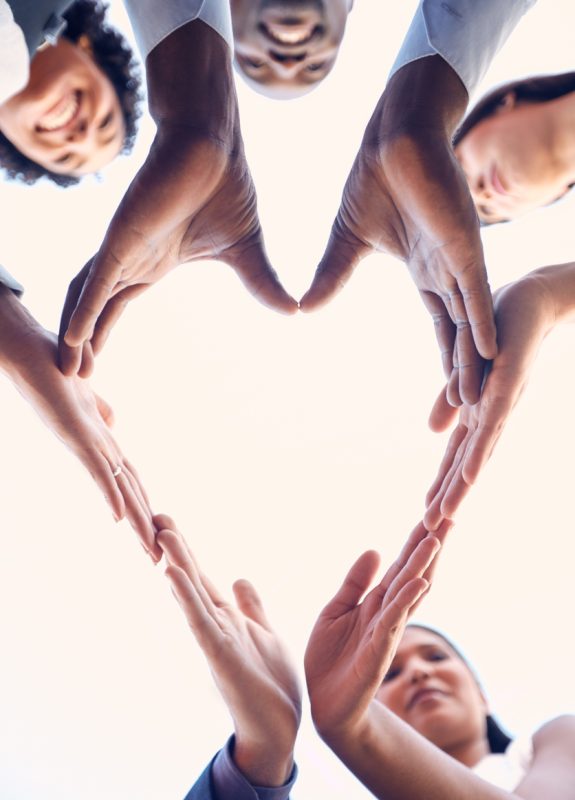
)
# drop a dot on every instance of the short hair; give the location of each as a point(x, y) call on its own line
point(497, 739)
point(536, 89)
point(113, 55)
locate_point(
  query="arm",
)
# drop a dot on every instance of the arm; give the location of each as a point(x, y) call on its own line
point(406, 194)
point(73, 412)
point(525, 312)
point(192, 199)
point(250, 666)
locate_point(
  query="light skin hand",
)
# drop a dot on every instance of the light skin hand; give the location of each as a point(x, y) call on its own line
point(250, 665)
point(77, 416)
point(354, 641)
point(406, 195)
point(525, 311)
point(193, 199)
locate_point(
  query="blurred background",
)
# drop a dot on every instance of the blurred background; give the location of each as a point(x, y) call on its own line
point(282, 447)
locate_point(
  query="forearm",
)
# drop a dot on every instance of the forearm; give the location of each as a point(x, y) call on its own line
point(17, 329)
point(396, 763)
point(190, 82)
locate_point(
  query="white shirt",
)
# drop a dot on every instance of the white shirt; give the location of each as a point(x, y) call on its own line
point(506, 770)
point(14, 60)
point(465, 33)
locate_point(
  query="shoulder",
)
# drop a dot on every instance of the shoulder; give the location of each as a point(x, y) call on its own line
point(556, 736)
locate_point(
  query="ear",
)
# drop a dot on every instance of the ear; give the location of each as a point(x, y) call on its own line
point(85, 44)
point(507, 102)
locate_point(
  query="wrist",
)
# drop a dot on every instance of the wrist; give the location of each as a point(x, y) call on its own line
point(557, 285)
point(262, 765)
point(424, 94)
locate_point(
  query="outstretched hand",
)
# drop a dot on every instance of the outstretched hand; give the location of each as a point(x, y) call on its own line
point(353, 641)
point(250, 665)
point(193, 198)
point(525, 313)
point(406, 195)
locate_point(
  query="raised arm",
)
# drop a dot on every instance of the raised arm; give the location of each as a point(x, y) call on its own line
point(192, 199)
point(250, 666)
point(525, 312)
point(28, 357)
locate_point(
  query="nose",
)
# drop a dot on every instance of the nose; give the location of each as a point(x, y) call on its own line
point(418, 671)
point(79, 132)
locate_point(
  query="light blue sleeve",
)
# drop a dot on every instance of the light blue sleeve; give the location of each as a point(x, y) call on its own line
point(465, 33)
point(10, 282)
point(153, 20)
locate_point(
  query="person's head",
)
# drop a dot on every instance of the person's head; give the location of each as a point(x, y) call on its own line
point(431, 686)
point(285, 48)
point(80, 106)
point(511, 147)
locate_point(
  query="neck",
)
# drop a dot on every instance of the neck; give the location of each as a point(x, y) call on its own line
point(468, 753)
point(562, 133)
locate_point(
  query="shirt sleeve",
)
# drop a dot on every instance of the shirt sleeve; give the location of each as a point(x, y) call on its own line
point(14, 58)
point(465, 33)
point(10, 282)
point(228, 783)
point(154, 20)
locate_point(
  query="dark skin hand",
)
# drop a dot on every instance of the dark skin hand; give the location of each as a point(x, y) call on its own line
point(193, 199)
point(407, 196)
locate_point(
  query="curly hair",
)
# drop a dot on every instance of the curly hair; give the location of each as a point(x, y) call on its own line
point(115, 58)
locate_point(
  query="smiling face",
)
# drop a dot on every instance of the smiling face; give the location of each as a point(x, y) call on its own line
point(68, 118)
point(284, 48)
point(432, 689)
point(509, 161)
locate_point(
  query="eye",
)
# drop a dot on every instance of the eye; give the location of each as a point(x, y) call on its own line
point(316, 66)
point(485, 210)
point(436, 655)
point(63, 159)
point(391, 673)
point(106, 121)
point(255, 63)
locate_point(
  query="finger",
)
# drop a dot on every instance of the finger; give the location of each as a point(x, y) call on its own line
point(342, 255)
point(454, 495)
point(111, 313)
point(454, 444)
point(178, 553)
point(204, 626)
point(250, 604)
point(470, 365)
point(453, 390)
point(415, 537)
point(70, 357)
point(442, 414)
point(99, 468)
point(86, 367)
point(97, 290)
point(164, 521)
point(493, 416)
point(395, 614)
point(478, 301)
point(444, 328)
point(105, 410)
point(138, 512)
point(256, 273)
point(356, 583)
point(416, 566)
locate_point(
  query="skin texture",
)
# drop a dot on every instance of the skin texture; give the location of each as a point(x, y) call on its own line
point(519, 158)
point(406, 195)
point(78, 417)
point(525, 311)
point(192, 199)
point(250, 666)
point(68, 118)
point(285, 48)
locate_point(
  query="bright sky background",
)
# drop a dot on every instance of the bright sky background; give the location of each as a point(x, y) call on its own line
point(283, 448)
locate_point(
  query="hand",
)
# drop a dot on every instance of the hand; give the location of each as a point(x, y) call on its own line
point(407, 196)
point(193, 198)
point(353, 643)
point(76, 415)
point(524, 313)
point(249, 664)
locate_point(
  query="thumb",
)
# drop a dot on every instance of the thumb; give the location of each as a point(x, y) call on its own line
point(342, 255)
point(105, 410)
point(249, 603)
point(443, 413)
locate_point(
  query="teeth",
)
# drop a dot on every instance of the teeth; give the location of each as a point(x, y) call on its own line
point(64, 112)
point(285, 35)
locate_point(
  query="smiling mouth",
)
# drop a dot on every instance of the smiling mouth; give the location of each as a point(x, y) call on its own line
point(424, 694)
point(61, 114)
point(290, 35)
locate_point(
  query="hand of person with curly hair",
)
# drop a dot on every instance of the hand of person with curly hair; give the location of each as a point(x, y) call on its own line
point(78, 417)
point(192, 199)
point(406, 195)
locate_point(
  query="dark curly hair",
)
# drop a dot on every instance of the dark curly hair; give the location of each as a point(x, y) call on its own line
point(115, 58)
point(535, 89)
